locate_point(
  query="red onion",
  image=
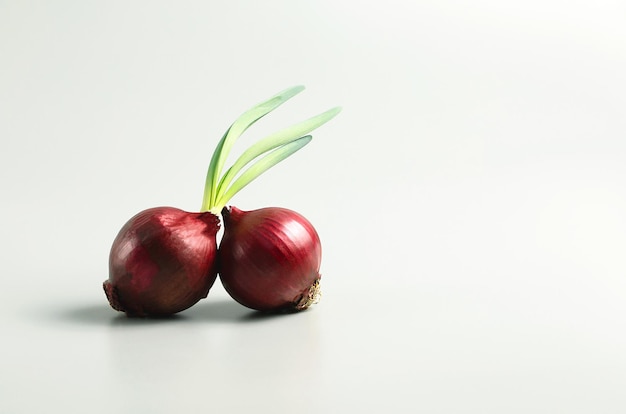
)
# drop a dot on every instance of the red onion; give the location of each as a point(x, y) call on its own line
point(162, 262)
point(269, 259)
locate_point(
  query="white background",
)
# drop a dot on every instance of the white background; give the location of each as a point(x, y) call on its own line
point(471, 200)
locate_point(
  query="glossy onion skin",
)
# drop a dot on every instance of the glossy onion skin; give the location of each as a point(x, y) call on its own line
point(269, 259)
point(163, 261)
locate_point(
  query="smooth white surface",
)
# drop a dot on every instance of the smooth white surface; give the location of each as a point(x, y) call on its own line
point(471, 201)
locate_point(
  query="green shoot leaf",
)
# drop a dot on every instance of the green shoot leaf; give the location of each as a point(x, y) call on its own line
point(236, 129)
point(275, 140)
point(258, 168)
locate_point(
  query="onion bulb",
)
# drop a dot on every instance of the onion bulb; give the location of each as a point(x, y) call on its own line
point(162, 262)
point(269, 259)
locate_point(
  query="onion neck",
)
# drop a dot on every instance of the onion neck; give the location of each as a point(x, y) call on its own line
point(207, 205)
point(211, 219)
point(214, 210)
point(232, 215)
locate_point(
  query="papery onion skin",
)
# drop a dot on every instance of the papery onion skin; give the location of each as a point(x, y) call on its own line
point(163, 261)
point(269, 259)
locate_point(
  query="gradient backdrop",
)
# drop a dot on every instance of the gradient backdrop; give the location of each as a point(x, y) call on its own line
point(471, 200)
